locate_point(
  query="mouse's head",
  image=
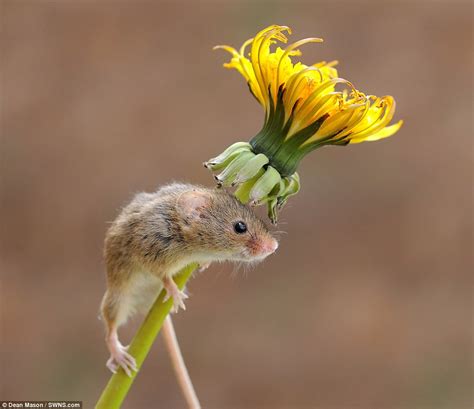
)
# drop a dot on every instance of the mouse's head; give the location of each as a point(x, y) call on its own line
point(225, 228)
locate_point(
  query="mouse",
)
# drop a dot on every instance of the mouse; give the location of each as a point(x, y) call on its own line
point(156, 235)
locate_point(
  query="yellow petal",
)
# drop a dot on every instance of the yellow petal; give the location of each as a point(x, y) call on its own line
point(309, 91)
point(384, 133)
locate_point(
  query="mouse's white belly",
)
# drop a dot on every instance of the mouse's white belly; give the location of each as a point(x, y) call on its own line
point(145, 287)
point(142, 291)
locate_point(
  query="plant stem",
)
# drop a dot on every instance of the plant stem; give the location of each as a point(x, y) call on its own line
point(116, 390)
point(179, 366)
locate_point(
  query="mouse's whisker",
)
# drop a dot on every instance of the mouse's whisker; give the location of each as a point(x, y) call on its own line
point(234, 273)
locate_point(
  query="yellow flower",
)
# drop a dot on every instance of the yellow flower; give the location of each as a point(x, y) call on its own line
point(306, 107)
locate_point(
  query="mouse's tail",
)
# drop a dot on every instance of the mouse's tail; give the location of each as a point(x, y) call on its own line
point(179, 366)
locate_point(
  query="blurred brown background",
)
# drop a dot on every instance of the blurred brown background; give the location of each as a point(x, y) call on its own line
point(367, 303)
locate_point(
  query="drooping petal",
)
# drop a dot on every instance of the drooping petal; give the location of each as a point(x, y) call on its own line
point(384, 133)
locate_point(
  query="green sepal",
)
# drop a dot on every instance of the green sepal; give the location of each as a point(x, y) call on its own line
point(264, 185)
point(227, 176)
point(251, 168)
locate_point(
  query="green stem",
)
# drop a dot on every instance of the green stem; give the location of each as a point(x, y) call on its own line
point(119, 384)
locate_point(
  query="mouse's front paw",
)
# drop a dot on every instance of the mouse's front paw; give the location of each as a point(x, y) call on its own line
point(172, 291)
point(178, 300)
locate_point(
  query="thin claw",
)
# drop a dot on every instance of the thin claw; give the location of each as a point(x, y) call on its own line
point(126, 366)
point(126, 370)
point(133, 364)
point(111, 365)
point(130, 360)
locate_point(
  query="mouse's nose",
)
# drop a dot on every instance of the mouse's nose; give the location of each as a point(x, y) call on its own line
point(274, 245)
point(270, 246)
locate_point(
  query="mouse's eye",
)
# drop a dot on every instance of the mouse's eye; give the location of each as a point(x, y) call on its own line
point(240, 227)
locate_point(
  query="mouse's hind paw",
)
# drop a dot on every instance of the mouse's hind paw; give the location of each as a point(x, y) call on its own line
point(120, 358)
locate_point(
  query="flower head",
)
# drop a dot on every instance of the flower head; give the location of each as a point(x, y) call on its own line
point(304, 110)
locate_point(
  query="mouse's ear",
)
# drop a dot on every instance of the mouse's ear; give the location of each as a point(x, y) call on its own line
point(192, 203)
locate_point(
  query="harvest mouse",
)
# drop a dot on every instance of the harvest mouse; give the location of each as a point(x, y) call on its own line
point(158, 234)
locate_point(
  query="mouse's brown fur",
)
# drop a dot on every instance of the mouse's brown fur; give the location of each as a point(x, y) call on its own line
point(159, 233)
